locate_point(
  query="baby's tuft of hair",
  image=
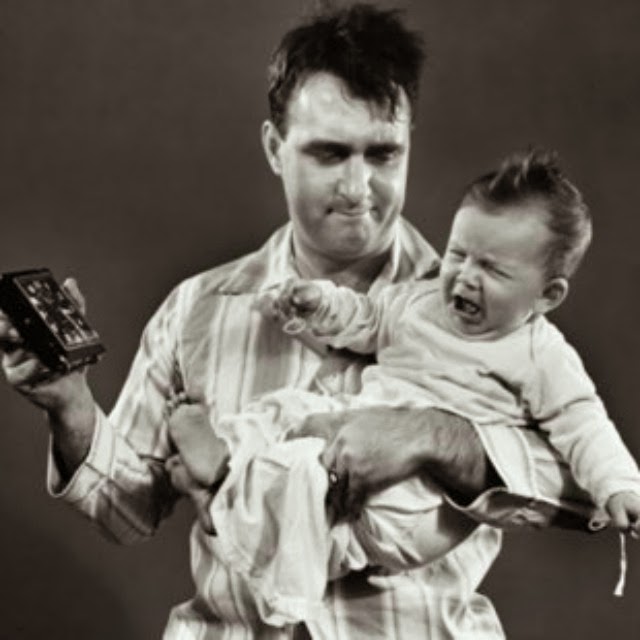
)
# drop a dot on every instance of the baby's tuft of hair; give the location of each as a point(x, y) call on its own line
point(535, 177)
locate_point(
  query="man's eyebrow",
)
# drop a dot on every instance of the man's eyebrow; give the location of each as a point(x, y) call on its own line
point(315, 146)
point(342, 148)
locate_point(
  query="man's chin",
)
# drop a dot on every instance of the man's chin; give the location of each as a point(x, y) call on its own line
point(353, 251)
point(361, 242)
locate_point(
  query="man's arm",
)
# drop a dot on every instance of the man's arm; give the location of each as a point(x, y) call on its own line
point(373, 448)
point(502, 476)
point(66, 399)
point(97, 462)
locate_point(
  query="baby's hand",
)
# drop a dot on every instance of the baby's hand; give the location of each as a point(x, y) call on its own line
point(624, 509)
point(291, 303)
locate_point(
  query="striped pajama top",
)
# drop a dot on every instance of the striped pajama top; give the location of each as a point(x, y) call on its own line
point(207, 341)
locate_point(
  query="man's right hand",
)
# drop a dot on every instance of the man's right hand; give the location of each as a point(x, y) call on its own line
point(66, 398)
point(29, 376)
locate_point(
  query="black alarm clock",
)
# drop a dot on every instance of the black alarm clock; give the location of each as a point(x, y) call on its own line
point(48, 320)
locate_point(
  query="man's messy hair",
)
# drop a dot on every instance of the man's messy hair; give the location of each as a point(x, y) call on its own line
point(368, 48)
point(535, 177)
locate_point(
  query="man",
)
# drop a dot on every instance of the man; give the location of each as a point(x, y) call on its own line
point(342, 95)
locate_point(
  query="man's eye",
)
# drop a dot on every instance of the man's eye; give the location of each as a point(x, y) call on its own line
point(383, 156)
point(328, 155)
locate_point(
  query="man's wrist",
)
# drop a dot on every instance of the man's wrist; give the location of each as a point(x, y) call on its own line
point(75, 410)
point(72, 422)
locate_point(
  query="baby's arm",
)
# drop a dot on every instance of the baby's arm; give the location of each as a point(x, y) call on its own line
point(564, 401)
point(336, 315)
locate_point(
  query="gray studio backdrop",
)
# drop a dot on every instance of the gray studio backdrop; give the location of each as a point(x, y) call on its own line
point(130, 157)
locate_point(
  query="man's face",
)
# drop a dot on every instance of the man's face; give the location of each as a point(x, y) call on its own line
point(343, 165)
point(493, 275)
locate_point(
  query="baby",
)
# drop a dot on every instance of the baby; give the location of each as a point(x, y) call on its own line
point(475, 341)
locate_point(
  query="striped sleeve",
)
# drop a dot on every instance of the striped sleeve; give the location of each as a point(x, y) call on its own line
point(121, 485)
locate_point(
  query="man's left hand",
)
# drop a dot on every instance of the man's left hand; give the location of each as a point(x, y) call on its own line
point(369, 449)
point(376, 447)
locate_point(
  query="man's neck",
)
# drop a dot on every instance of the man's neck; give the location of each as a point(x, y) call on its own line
point(358, 275)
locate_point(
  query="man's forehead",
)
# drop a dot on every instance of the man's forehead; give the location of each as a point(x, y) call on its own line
point(323, 101)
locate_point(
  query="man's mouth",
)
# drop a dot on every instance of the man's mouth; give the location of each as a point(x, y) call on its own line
point(358, 212)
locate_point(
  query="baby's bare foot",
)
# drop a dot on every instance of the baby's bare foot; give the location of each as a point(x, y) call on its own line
point(203, 454)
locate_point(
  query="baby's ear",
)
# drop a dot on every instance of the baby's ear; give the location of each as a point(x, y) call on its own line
point(553, 295)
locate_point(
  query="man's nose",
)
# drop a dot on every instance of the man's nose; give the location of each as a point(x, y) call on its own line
point(354, 183)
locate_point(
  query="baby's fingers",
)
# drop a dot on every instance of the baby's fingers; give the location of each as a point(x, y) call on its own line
point(306, 297)
point(618, 513)
point(266, 302)
point(633, 516)
point(624, 509)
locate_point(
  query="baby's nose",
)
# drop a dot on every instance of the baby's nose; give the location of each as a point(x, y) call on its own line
point(468, 274)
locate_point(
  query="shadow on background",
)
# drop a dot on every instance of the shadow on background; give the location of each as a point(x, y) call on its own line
point(62, 580)
point(50, 592)
point(559, 585)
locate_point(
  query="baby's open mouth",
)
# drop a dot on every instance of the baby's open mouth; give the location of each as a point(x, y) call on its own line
point(465, 305)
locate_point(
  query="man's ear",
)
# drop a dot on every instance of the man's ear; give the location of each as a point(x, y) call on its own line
point(272, 143)
point(553, 294)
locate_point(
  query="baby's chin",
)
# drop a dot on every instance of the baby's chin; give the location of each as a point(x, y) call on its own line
point(465, 316)
point(474, 326)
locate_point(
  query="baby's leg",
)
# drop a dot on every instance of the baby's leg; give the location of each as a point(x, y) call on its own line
point(274, 417)
point(205, 448)
point(272, 527)
point(409, 525)
point(202, 452)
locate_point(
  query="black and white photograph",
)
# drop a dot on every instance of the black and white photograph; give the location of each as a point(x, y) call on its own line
point(346, 344)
